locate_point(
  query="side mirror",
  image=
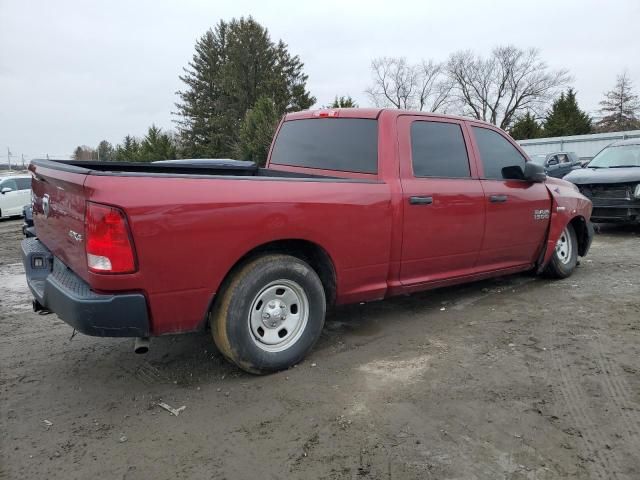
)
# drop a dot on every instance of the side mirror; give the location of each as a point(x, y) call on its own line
point(6, 190)
point(534, 172)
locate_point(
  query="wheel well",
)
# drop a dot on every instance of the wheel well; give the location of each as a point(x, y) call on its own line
point(579, 225)
point(313, 254)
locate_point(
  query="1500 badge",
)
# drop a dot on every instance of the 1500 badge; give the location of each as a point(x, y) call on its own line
point(540, 214)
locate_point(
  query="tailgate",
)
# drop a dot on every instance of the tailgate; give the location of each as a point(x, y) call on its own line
point(58, 212)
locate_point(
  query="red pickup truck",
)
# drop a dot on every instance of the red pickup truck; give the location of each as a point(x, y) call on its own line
point(354, 205)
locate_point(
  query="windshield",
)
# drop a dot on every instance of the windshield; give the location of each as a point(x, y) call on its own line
point(612, 157)
point(539, 158)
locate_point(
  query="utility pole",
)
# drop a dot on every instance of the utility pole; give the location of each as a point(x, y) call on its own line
point(9, 158)
point(23, 161)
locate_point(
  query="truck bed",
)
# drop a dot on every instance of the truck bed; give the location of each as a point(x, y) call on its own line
point(213, 167)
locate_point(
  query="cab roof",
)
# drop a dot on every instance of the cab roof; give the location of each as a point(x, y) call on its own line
point(370, 113)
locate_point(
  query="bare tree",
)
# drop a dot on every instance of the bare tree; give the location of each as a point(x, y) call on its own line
point(620, 107)
point(399, 84)
point(509, 82)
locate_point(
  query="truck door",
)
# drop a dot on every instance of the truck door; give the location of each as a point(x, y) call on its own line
point(517, 211)
point(443, 201)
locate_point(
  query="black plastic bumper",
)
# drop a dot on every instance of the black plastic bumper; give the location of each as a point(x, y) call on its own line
point(57, 289)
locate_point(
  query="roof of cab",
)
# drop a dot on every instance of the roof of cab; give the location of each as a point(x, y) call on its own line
point(371, 113)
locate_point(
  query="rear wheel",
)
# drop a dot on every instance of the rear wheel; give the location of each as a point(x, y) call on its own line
point(565, 257)
point(270, 314)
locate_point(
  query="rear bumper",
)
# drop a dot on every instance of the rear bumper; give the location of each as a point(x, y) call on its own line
point(57, 289)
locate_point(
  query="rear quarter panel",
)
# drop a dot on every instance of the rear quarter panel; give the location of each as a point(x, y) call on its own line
point(189, 232)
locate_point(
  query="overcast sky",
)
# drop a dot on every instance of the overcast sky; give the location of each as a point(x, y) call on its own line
point(77, 72)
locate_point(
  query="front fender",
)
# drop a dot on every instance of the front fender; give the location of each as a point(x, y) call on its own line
point(567, 204)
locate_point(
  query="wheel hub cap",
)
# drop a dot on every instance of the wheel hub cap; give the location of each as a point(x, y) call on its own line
point(278, 315)
point(563, 247)
point(274, 313)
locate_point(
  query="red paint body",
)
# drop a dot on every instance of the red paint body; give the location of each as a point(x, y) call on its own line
point(189, 232)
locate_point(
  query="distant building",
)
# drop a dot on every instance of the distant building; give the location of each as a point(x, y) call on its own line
point(585, 146)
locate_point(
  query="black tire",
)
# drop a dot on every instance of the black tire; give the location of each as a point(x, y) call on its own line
point(563, 266)
point(231, 322)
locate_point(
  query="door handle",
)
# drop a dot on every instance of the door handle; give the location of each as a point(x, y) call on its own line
point(420, 200)
point(498, 198)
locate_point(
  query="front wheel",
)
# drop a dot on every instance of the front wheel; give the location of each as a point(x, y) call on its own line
point(565, 257)
point(270, 314)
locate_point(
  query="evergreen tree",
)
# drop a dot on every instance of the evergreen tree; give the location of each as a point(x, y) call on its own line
point(566, 118)
point(620, 108)
point(157, 145)
point(257, 131)
point(129, 150)
point(106, 153)
point(234, 65)
point(343, 102)
point(526, 127)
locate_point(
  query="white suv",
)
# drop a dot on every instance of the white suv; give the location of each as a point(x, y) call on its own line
point(15, 193)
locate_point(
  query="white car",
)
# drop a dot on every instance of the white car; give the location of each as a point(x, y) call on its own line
point(15, 193)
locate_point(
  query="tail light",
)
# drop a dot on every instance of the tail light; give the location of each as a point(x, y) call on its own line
point(109, 246)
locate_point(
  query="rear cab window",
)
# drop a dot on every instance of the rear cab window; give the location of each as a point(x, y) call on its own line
point(340, 144)
point(498, 155)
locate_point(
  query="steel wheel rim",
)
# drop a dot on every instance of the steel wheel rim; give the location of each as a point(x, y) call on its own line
point(278, 315)
point(564, 247)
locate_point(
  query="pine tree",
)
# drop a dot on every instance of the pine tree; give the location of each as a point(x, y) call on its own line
point(157, 145)
point(234, 65)
point(257, 131)
point(620, 108)
point(106, 153)
point(526, 127)
point(566, 118)
point(343, 102)
point(129, 150)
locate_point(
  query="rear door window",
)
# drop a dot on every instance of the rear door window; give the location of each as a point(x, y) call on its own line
point(497, 155)
point(342, 144)
point(438, 150)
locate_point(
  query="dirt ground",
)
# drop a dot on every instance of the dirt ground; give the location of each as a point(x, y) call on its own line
point(519, 378)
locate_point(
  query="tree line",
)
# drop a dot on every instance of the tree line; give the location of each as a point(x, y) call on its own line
point(240, 82)
point(511, 88)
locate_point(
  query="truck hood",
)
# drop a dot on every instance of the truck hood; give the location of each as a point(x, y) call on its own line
point(585, 176)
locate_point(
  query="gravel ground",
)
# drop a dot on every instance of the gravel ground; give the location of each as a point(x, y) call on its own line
point(519, 378)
